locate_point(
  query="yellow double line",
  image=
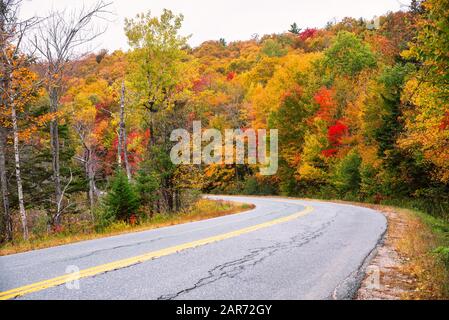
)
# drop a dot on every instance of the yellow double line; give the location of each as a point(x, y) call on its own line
point(42, 285)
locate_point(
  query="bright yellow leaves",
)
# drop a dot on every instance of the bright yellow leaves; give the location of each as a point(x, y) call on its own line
point(266, 99)
point(312, 158)
point(425, 125)
point(83, 103)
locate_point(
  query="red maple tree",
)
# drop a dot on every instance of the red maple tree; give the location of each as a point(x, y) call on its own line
point(308, 33)
point(324, 98)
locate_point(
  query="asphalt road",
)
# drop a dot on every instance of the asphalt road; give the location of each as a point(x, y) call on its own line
point(282, 249)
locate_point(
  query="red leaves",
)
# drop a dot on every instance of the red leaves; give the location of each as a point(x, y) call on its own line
point(231, 75)
point(336, 132)
point(324, 98)
point(329, 153)
point(335, 135)
point(136, 145)
point(308, 33)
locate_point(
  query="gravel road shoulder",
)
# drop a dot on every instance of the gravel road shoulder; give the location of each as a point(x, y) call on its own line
point(385, 278)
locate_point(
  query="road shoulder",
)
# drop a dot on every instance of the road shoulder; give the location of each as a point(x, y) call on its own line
point(385, 278)
point(405, 266)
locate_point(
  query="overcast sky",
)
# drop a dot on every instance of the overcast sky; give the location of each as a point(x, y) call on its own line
point(229, 19)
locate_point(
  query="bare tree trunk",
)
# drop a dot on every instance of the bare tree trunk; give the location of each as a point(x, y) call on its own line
point(6, 219)
point(23, 216)
point(122, 138)
point(121, 126)
point(125, 155)
point(12, 32)
point(54, 142)
point(91, 177)
point(89, 170)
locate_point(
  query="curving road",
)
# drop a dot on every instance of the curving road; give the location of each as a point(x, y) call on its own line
point(282, 249)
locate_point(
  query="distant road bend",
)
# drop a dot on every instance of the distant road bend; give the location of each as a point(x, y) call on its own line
point(282, 249)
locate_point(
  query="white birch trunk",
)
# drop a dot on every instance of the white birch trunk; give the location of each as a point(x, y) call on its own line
point(23, 216)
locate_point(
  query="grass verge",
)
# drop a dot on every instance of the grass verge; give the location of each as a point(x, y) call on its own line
point(203, 209)
point(425, 244)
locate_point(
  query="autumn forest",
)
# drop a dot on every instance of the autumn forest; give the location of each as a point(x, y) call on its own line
point(361, 108)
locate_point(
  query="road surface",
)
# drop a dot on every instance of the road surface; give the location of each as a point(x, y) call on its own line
point(282, 249)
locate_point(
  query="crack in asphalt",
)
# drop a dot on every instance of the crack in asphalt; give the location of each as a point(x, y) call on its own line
point(267, 214)
point(143, 242)
point(248, 257)
point(237, 266)
point(134, 244)
point(233, 268)
point(112, 248)
point(239, 263)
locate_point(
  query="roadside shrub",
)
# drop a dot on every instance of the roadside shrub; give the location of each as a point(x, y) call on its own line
point(255, 186)
point(121, 202)
point(189, 197)
point(251, 187)
point(40, 225)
